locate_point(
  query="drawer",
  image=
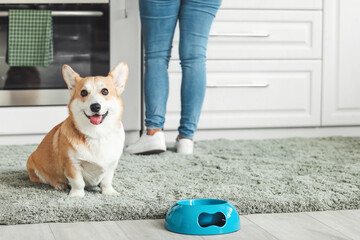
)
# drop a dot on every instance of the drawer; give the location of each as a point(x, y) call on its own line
point(257, 34)
point(273, 4)
point(242, 94)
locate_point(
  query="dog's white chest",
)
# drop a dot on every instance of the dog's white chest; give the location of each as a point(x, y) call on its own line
point(100, 155)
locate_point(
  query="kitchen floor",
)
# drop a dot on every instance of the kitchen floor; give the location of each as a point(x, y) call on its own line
point(287, 226)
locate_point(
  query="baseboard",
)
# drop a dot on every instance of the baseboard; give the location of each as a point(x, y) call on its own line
point(268, 133)
point(131, 136)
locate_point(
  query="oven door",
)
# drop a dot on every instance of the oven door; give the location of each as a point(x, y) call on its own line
point(80, 39)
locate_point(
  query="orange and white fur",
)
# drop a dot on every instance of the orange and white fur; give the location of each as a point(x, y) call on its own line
point(84, 149)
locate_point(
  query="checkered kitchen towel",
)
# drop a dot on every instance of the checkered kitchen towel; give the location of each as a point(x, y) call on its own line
point(30, 40)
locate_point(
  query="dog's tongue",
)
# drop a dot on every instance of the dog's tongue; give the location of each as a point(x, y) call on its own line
point(96, 119)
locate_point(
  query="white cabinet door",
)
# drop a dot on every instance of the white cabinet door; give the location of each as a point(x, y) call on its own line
point(272, 4)
point(341, 87)
point(244, 94)
point(127, 49)
point(263, 34)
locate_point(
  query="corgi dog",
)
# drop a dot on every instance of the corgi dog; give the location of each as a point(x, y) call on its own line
point(85, 148)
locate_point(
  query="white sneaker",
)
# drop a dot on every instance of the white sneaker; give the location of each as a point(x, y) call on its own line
point(148, 144)
point(184, 146)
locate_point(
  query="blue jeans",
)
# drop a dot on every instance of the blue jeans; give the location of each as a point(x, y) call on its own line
point(158, 20)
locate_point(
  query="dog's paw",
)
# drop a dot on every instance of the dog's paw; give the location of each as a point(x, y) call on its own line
point(109, 191)
point(75, 193)
point(61, 186)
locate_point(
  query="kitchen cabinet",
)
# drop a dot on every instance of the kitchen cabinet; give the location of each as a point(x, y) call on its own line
point(273, 4)
point(263, 34)
point(341, 81)
point(254, 94)
point(281, 63)
point(264, 67)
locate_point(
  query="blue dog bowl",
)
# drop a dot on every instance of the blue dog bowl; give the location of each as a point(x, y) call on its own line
point(202, 217)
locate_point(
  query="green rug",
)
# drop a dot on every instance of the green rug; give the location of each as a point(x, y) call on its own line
point(258, 176)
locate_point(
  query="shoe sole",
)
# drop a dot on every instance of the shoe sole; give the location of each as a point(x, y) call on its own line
point(155, 151)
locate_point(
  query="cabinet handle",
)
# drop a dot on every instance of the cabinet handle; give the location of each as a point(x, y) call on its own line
point(124, 10)
point(239, 85)
point(239, 35)
point(66, 13)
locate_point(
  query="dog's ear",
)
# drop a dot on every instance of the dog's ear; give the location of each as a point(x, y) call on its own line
point(120, 75)
point(70, 77)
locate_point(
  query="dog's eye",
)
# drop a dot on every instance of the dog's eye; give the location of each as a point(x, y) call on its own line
point(104, 91)
point(84, 93)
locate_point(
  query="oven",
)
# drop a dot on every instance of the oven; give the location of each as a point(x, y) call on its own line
point(81, 39)
point(91, 36)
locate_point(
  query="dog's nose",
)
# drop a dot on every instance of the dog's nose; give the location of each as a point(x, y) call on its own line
point(95, 107)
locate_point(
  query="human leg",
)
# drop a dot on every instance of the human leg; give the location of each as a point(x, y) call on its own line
point(195, 18)
point(158, 20)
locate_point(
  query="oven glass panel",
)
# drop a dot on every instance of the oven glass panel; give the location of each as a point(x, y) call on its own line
point(80, 42)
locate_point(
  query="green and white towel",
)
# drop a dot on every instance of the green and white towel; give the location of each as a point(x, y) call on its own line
point(30, 40)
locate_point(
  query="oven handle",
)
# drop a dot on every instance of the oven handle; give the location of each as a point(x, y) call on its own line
point(66, 13)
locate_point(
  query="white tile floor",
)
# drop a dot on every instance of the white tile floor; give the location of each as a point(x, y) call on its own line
point(282, 226)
